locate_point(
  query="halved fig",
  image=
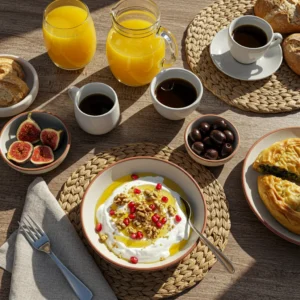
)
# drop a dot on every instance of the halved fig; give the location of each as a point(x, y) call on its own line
point(42, 155)
point(50, 137)
point(29, 131)
point(20, 152)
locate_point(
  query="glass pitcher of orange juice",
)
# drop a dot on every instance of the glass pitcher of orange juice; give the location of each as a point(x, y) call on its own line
point(136, 44)
point(69, 34)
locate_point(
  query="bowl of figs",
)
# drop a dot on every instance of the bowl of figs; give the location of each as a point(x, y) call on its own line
point(211, 140)
point(34, 142)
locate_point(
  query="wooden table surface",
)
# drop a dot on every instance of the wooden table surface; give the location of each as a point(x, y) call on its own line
point(267, 267)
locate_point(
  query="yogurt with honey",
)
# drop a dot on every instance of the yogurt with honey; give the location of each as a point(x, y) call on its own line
point(141, 219)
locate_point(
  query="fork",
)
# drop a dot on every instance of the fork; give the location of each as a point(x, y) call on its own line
point(219, 255)
point(40, 241)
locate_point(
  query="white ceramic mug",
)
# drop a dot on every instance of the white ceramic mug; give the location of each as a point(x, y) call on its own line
point(95, 124)
point(246, 55)
point(170, 112)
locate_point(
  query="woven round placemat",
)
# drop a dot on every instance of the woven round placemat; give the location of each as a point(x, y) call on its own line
point(277, 93)
point(168, 282)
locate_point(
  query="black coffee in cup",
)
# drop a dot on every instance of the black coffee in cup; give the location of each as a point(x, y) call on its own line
point(250, 36)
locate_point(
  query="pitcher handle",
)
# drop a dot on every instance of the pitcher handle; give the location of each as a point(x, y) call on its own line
point(171, 42)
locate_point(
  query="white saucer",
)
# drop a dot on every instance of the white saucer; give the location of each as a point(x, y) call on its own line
point(223, 60)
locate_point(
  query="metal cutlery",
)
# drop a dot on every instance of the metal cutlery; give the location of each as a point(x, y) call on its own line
point(40, 241)
point(219, 255)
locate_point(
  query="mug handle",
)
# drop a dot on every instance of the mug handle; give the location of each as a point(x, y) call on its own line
point(171, 42)
point(276, 40)
point(72, 92)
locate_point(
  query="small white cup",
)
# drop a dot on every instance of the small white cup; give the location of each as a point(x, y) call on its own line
point(95, 125)
point(246, 55)
point(170, 112)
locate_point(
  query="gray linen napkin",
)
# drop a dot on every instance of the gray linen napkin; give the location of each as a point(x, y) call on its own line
point(34, 274)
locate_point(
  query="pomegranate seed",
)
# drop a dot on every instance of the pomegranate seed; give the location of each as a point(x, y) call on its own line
point(132, 209)
point(131, 204)
point(98, 227)
point(164, 199)
point(154, 219)
point(126, 221)
point(139, 235)
point(131, 216)
point(134, 259)
point(159, 186)
point(152, 206)
point(157, 216)
point(137, 191)
point(134, 176)
point(177, 218)
point(158, 225)
point(112, 212)
point(133, 236)
point(163, 221)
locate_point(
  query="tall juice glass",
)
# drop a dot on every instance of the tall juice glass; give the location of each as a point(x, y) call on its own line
point(69, 34)
point(137, 46)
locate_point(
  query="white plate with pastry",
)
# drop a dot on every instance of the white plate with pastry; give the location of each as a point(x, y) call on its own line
point(224, 61)
point(270, 177)
point(19, 85)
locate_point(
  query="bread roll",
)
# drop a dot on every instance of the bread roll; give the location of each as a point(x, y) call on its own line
point(283, 15)
point(14, 65)
point(10, 78)
point(291, 52)
point(10, 94)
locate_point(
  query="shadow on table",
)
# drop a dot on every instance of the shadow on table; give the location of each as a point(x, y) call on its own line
point(270, 252)
point(12, 10)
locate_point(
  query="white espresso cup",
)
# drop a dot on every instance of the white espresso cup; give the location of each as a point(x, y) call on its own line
point(246, 55)
point(176, 73)
point(95, 124)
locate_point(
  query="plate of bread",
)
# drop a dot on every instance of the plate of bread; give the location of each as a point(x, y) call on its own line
point(284, 17)
point(19, 85)
point(271, 182)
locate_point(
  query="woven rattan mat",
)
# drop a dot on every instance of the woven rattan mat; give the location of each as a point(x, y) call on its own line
point(277, 93)
point(171, 281)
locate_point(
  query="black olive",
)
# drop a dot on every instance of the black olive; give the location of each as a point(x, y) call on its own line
point(218, 137)
point(198, 147)
point(195, 135)
point(229, 136)
point(211, 154)
point(227, 149)
point(208, 142)
point(204, 128)
point(219, 124)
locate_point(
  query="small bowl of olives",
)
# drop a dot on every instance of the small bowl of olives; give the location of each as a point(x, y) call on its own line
point(211, 140)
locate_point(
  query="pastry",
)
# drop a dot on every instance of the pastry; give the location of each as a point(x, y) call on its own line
point(283, 15)
point(8, 62)
point(281, 159)
point(291, 52)
point(282, 199)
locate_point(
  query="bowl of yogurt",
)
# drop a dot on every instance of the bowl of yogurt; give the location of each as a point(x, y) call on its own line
point(133, 217)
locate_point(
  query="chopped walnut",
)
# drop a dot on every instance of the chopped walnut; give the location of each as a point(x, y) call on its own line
point(131, 230)
point(161, 208)
point(151, 195)
point(151, 232)
point(137, 224)
point(103, 237)
point(120, 225)
point(121, 199)
point(172, 211)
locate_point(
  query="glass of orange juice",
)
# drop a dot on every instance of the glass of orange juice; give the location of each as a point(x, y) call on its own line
point(136, 44)
point(69, 34)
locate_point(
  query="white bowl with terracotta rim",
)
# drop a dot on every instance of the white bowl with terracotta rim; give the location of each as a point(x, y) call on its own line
point(210, 119)
point(32, 81)
point(44, 120)
point(249, 181)
point(141, 165)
